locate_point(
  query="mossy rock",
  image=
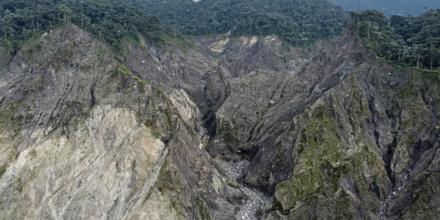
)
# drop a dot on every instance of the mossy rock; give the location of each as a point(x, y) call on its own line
point(324, 163)
point(202, 210)
point(425, 205)
point(123, 70)
point(2, 170)
point(320, 165)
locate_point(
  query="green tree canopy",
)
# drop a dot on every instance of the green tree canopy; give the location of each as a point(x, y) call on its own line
point(299, 22)
point(413, 41)
point(110, 20)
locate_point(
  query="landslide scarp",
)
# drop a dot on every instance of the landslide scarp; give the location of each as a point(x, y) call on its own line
point(85, 135)
point(342, 136)
point(214, 127)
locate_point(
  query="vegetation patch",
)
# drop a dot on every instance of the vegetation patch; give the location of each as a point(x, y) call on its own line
point(112, 21)
point(299, 22)
point(324, 162)
point(2, 170)
point(320, 165)
point(168, 183)
point(8, 118)
point(405, 41)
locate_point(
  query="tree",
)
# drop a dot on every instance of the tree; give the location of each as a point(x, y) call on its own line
point(9, 23)
point(109, 20)
point(403, 40)
point(65, 11)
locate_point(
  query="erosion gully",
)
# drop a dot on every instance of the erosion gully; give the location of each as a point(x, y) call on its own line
point(256, 200)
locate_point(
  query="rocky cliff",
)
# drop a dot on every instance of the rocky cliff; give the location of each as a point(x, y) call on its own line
point(215, 127)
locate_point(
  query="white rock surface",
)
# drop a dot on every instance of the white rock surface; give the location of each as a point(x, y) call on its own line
point(103, 170)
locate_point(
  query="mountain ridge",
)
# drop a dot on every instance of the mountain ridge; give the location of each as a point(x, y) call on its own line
point(220, 127)
point(394, 7)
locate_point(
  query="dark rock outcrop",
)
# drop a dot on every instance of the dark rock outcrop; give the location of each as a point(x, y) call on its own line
point(220, 127)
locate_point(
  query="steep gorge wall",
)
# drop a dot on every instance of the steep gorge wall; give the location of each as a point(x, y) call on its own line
point(84, 137)
point(343, 130)
point(328, 133)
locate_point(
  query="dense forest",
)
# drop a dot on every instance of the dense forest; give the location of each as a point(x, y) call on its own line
point(390, 7)
point(299, 22)
point(409, 41)
point(111, 21)
point(412, 41)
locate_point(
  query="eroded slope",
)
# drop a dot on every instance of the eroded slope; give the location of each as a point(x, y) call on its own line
point(218, 127)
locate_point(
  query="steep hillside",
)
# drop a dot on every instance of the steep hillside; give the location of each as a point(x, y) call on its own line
point(85, 137)
point(407, 41)
point(221, 126)
point(297, 21)
point(390, 7)
point(112, 21)
point(342, 136)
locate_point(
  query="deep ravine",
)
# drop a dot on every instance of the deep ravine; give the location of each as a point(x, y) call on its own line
point(256, 200)
point(394, 193)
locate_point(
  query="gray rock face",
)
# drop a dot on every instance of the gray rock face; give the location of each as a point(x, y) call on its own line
point(330, 138)
point(222, 128)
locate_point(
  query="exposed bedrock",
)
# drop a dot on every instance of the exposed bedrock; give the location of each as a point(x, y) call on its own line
point(222, 128)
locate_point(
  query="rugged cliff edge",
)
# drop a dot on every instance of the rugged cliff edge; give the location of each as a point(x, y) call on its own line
point(221, 127)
